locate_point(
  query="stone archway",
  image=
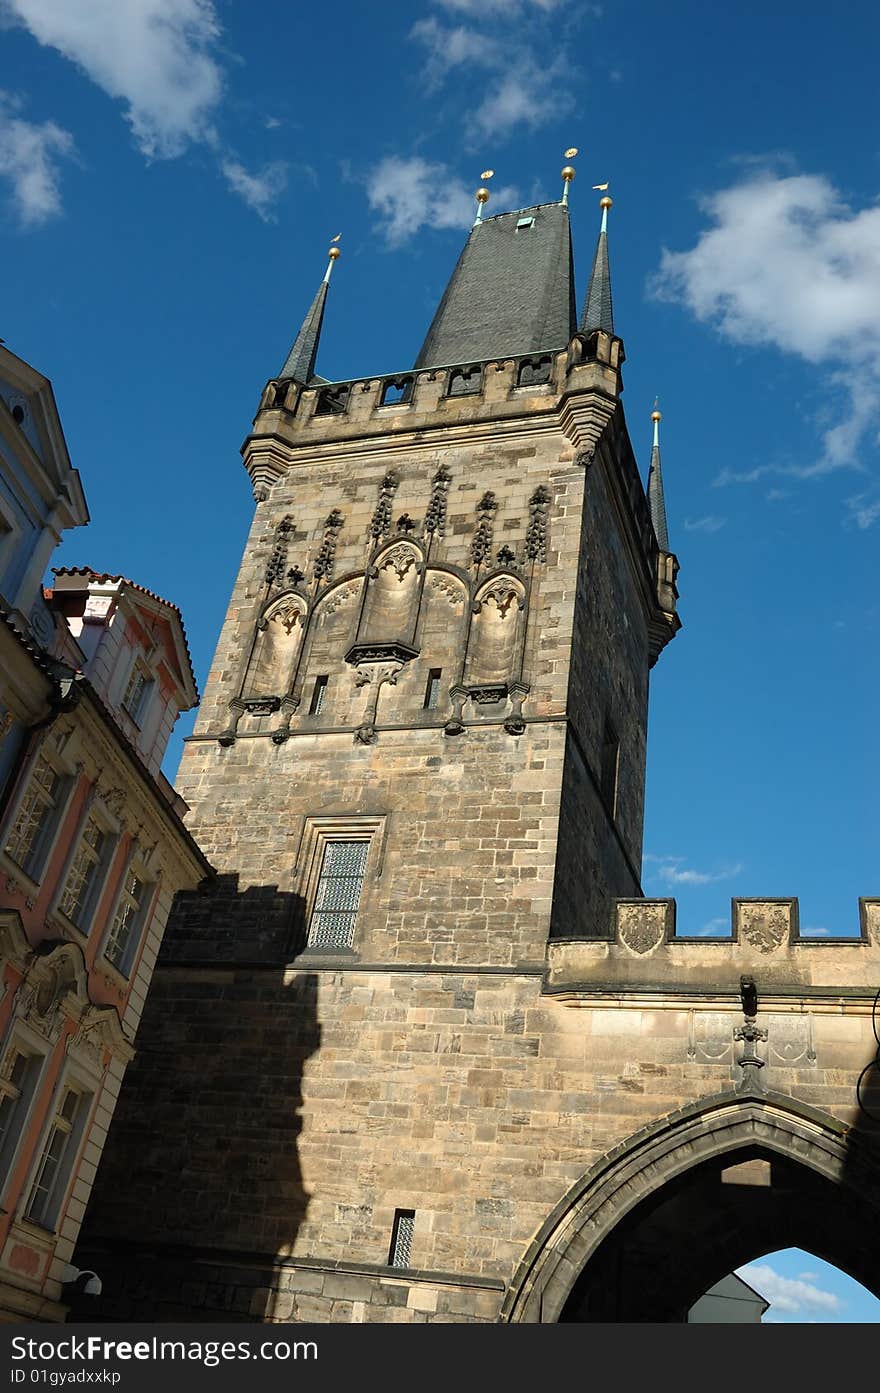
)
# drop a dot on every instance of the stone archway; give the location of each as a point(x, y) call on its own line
point(661, 1218)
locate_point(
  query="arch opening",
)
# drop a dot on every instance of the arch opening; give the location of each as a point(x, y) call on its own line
point(693, 1198)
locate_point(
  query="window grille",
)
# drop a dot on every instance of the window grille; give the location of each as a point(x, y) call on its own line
point(56, 1160)
point(129, 916)
point(82, 884)
point(338, 894)
point(402, 1237)
point(36, 816)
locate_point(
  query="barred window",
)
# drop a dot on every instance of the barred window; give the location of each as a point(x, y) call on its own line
point(36, 817)
point(56, 1160)
point(402, 1237)
point(17, 1085)
point(338, 894)
point(128, 920)
point(83, 882)
point(432, 690)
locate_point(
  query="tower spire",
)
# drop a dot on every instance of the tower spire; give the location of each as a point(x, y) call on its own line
point(598, 312)
point(300, 361)
point(656, 502)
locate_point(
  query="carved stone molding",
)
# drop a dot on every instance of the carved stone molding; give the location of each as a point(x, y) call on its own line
point(380, 524)
point(482, 542)
point(326, 558)
point(435, 517)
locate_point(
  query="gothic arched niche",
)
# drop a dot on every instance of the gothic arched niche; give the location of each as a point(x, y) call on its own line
point(391, 608)
point(494, 653)
point(279, 635)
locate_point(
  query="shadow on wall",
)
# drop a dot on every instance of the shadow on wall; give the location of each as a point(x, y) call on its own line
point(200, 1183)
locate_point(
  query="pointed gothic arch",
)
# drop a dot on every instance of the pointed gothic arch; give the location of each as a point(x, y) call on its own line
point(391, 603)
point(642, 1235)
point(495, 644)
point(279, 636)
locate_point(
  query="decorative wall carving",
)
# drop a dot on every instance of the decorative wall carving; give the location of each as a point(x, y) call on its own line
point(391, 603)
point(326, 557)
point(277, 563)
point(381, 520)
point(435, 517)
point(482, 543)
point(277, 643)
point(536, 534)
point(454, 592)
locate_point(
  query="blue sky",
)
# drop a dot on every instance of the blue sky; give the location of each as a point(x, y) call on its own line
point(171, 171)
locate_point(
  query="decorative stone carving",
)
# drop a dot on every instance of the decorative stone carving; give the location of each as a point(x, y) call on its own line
point(454, 593)
point(381, 520)
point(751, 1034)
point(374, 675)
point(340, 597)
point(455, 725)
point(710, 1038)
point(277, 564)
point(482, 542)
point(405, 524)
point(536, 533)
point(488, 695)
point(435, 517)
point(503, 594)
point(790, 1041)
point(514, 723)
point(400, 559)
point(641, 929)
point(764, 926)
point(326, 557)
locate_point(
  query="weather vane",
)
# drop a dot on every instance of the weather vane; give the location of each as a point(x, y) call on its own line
point(568, 172)
point(482, 194)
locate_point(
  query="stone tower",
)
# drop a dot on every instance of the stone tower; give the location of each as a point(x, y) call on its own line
point(363, 1093)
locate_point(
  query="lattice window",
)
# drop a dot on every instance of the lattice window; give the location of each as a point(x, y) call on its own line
point(319, 693)
point(36, 816)
point(402, 1237)
point(128, 920)
point(338, 894)
point(57, 1157)
point(83, 879)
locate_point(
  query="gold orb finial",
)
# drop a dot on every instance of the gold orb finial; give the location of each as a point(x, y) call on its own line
point(606, 202)
point(655, 415)
point(482, 195)
point(568, 173)
point(334, 253)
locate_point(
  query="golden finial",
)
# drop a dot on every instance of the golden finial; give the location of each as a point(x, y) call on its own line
point(482, 195)
point(606, 202)
point(656, 418)
point(568, 172)
point(333, 254)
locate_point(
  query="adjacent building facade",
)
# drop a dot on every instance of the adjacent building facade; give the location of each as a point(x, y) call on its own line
point(95, 671)
point(424, 1051)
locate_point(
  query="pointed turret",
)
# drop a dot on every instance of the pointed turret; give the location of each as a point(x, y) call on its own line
point(300, 361)
point(598, 313)
point(656, 502)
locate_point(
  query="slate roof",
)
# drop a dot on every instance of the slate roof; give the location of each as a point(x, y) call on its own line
point(512, 291)
point(656, 501)
point(300, 361)
point(598, 312)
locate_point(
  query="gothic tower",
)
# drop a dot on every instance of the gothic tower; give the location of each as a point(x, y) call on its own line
point(419, 770)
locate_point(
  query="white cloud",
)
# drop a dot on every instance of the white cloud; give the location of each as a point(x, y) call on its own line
point(259, 191)
point(864, 510)
point(521, 56)
point(676, 874)
point(156, 56)
point(712, 928)
point(792, 1294)
point(30, 155)
point(710, 523)
point(409, 194)
point(787, 263)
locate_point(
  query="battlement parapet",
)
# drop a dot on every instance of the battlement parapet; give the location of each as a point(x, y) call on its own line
point(646, 955)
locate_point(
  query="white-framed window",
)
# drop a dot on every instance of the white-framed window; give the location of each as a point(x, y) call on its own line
point(129, 917)
point(19, 1076)
point(37, 817)
point(61, 1143)
point(86, 873)
point(138, 691)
